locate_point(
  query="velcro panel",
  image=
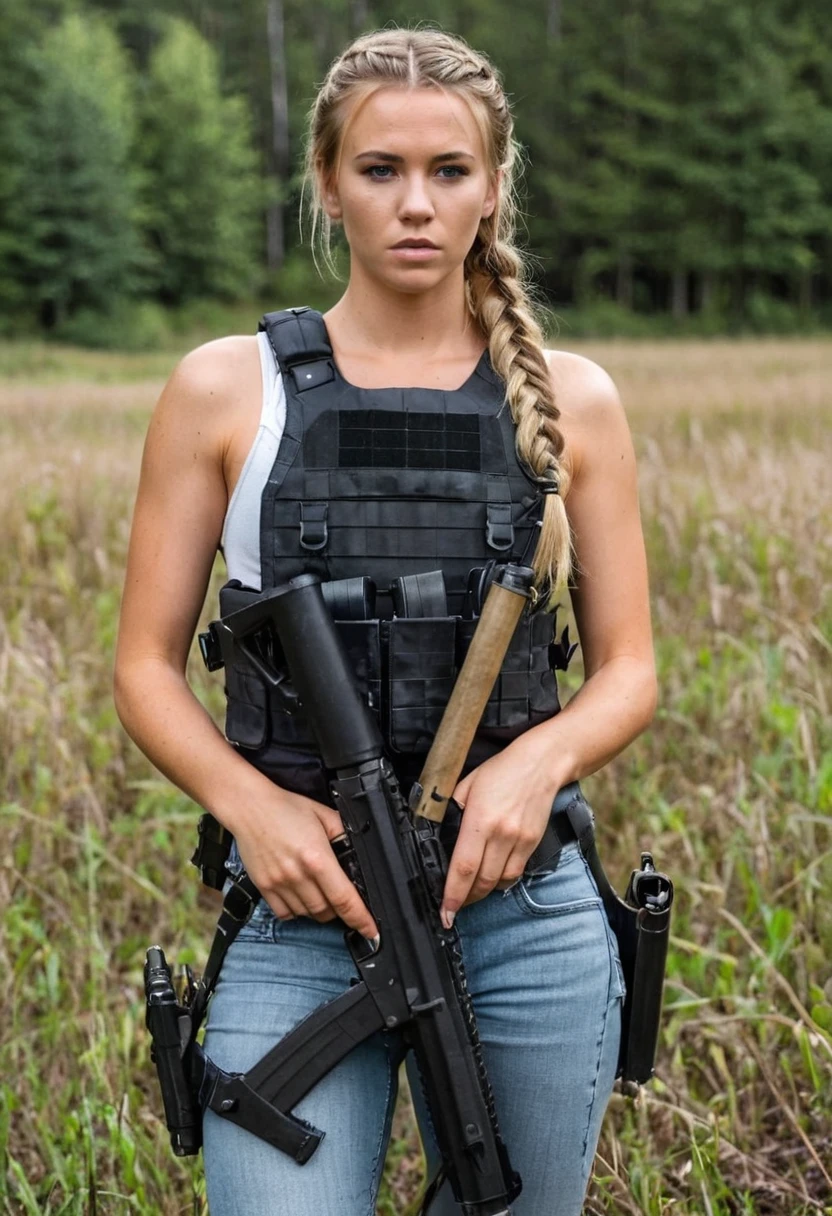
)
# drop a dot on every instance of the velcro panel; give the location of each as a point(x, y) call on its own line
point(392, 439)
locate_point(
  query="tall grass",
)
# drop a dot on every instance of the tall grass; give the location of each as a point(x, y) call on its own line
point(731, 787)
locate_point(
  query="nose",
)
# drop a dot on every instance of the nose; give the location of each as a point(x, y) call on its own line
point(416, 203)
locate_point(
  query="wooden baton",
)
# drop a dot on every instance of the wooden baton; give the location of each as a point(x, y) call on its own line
point(504, 604)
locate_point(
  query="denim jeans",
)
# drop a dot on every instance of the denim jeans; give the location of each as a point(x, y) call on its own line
point(546, 982)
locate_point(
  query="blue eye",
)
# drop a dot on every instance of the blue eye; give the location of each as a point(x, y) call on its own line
point(454, 171)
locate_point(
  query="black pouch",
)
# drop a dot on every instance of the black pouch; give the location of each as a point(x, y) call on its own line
point(641, 923)
point(525, 691)
point(421, 673)
point(260, 711)
point(247, 707)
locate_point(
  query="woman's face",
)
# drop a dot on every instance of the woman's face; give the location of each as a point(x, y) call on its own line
point(412, 168)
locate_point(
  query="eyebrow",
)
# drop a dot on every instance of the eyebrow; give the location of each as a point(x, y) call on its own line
point(399, 160)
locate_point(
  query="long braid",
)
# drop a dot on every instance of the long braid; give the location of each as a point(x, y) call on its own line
point(495, 271)
point(501, 305)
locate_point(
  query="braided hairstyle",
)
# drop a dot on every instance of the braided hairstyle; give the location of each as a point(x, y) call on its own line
point(496, 276)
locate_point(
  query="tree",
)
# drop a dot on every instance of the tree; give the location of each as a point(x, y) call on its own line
point(82, 248)
point(21, 25)
point(203, 194)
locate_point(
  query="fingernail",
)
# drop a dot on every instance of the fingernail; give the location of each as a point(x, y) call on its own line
point(447, 918)
point(375, 942)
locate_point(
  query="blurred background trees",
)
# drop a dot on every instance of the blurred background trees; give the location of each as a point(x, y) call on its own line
point(678, 176)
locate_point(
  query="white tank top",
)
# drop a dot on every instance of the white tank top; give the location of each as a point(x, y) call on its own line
point(240, 543)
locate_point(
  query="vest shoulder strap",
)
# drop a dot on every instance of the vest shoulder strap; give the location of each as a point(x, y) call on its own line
point(296, 335)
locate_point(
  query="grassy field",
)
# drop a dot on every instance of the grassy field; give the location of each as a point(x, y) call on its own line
point(731, 787)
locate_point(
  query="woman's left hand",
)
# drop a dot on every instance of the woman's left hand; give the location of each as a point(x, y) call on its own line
point(507, 802)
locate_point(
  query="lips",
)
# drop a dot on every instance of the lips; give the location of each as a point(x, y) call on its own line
point(415, 245)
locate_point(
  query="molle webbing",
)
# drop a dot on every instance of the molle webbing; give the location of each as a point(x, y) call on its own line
point(381, 485)
point(389, 481)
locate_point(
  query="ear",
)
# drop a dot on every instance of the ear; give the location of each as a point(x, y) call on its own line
point(330, 198)
point(490, 201)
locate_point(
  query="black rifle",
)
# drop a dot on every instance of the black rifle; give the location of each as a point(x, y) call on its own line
point(412, 977)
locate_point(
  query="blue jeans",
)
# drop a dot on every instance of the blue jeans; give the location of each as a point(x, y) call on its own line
point(546, 982)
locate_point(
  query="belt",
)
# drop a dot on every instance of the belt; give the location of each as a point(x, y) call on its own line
point(559, 830)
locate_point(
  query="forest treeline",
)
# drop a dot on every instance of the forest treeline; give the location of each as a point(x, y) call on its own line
point(678, 154)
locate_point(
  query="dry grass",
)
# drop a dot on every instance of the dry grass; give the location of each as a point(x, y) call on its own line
point(732, 787)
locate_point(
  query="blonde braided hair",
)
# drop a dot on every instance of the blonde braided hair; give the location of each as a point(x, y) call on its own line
point(496, 275)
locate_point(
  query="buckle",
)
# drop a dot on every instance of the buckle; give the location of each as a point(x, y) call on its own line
point(499, 530)
point(313, 529)
point(240, 899)
point(211, 649)
point(312, 374)
point(560, 652)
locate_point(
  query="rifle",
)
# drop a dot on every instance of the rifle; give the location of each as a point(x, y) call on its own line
point(412, 977)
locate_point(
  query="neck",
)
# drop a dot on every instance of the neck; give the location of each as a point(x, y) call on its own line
point(371, 320)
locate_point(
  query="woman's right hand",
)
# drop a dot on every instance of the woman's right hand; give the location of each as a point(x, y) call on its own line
point(288, 856)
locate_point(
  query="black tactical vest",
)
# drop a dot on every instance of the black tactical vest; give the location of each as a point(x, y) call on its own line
point(385, 483)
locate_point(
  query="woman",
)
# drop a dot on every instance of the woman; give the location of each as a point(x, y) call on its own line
point(411, 151)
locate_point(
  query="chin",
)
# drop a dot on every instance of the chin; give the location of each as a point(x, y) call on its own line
point(412, 280)
point(415, 286)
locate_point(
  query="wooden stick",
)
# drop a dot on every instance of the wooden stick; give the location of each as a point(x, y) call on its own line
point(503, 607)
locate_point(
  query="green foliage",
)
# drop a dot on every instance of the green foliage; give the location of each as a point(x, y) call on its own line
point(203, 195)
point(684, 145)
point(21, 25)
point(83, 249)
point(680, 169)
point(130, 325)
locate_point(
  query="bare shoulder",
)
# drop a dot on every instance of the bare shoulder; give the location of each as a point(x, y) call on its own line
point(591, 411)
point(583, 388)
point(212, 376)
point(211, 394)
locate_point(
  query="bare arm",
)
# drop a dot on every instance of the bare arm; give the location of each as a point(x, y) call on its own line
point(283, 838)
point(508, 799)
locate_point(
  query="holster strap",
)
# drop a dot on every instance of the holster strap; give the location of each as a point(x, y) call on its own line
point(241, 898)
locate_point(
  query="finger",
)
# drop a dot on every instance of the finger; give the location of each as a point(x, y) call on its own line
point(492, 868)
point(513, 870)
point(342, 896)
point(460, 794)
point(279, 906)
point(315, 903)
point(464, 867)
point(330, 820)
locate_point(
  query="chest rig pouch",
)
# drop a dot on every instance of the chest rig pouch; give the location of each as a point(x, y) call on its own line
point(403, 498)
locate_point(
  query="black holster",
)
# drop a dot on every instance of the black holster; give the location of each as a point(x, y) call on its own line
point(641, 923)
